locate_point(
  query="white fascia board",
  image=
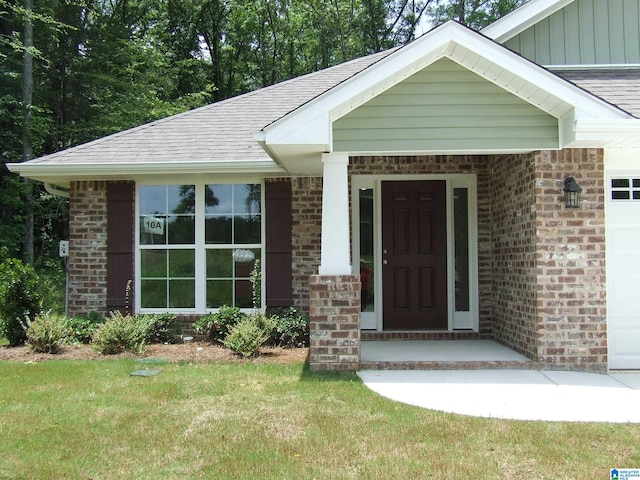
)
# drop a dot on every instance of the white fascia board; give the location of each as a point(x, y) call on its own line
point(63, 173)
point(609, 132)
point(522, 18)
point(529, 78)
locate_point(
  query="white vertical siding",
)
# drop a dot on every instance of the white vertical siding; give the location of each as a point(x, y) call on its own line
point(442, 108)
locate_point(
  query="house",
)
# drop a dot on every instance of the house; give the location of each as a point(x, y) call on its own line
point(414, 193)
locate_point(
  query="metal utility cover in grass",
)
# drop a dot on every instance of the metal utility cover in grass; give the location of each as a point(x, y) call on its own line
point(147, 372)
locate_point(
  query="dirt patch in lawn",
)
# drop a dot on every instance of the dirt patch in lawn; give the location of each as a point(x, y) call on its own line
point(187, 352)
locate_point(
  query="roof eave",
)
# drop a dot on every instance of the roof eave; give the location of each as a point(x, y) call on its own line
point(63, 174)
point(522, 18)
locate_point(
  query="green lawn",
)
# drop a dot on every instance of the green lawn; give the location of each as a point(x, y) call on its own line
point(91, 420)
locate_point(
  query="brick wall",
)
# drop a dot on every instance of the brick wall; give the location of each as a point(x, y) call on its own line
point(572, 328)
point(87, 247)
point(306, 229)
point(514, 276)
point(334, 337)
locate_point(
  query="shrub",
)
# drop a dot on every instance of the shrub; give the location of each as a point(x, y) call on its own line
point(118, 334)
point(216, 326)
point(47, 333)
point(81, 329)
point(163, 328)
point(249, 334)
point(19, 299)
point(291, 329)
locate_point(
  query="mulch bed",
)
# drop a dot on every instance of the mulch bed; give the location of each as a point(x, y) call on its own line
point(187, 352)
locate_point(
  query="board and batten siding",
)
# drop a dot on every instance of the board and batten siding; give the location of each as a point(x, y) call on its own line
point(445, 107)
point(585, 32)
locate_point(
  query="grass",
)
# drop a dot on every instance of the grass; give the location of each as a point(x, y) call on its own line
point(90, 419)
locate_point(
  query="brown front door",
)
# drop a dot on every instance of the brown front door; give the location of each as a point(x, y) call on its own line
point(414, 255)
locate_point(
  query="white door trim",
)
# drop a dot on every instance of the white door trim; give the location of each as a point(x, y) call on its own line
point(457, 320)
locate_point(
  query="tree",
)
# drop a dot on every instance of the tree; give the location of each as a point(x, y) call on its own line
point(473, 13)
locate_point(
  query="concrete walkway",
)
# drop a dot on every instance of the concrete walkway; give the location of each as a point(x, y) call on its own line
point(515, 394)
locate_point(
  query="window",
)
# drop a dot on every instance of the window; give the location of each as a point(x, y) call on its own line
point(198, 245)
point(625, 189)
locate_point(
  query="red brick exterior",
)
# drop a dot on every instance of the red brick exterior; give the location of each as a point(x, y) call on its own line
point(306, 232)
point(570, 257)
point(541, 265)
point(335, 322)
point(87, 248)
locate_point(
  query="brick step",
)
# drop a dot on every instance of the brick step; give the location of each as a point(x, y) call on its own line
point(445, 365)
point(460, 335)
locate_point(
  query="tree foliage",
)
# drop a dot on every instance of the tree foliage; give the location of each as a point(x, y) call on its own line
point(101, 66)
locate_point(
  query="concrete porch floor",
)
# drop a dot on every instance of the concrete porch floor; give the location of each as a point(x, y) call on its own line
point(439, 355)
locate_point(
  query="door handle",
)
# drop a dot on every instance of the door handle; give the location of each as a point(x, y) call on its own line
point(384, 262)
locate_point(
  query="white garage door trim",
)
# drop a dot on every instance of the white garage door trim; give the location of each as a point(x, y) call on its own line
point(623, 268)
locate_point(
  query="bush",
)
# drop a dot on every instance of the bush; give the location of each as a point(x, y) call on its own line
point(291, 329)
point(81, 329)
point(47, 333)
point(119, 334)
point(216, 326)
point(163, 328)
point(249, 334)
point(19, 299)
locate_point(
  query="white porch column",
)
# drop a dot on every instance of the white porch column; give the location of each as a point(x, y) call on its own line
point(335, 258)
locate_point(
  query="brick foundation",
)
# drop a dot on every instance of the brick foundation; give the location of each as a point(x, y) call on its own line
point(334, 322)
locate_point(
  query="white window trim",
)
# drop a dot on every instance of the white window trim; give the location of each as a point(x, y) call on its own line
point(199, 245)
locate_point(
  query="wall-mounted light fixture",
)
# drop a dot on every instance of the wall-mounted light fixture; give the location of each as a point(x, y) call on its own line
point(572, 193)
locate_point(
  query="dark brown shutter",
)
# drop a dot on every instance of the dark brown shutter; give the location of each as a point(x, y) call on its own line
point(278, 244)
point(120, 246)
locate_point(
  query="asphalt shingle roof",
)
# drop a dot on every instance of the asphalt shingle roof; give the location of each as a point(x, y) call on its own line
point(221, 131)
point(620, 87)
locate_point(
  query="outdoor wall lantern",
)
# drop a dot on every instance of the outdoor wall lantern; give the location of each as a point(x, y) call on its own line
point(572, 193)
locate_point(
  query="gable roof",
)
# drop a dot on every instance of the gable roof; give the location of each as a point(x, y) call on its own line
point(298, 139)
point(522, 18)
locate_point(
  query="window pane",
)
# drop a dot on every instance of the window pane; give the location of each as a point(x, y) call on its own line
point(181, 198)
point(181, 230)
point(620, 183)
point(219, 293)
point(182, 294)
point(244, 294)
point(636, 183)
point(247, 229)
point(153, 294)
point(620, 195)
point(219, 199)
point(181, 263)
point(219, 263)
point(153, 230)
point(153, 199)
point(366, 250)
point(153, 263)
point(247, 199)
point(461, 221)
point(218, 230)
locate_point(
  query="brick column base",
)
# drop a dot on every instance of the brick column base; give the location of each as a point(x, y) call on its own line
point(334, 307)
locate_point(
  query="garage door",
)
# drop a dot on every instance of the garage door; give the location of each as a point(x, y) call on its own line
point(623, 271)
